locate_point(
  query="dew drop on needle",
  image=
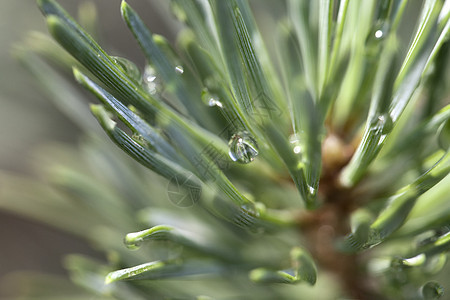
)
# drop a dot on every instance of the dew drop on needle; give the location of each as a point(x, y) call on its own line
point(243, 147)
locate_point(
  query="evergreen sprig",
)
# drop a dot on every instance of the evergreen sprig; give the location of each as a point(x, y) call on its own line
point(292, 168)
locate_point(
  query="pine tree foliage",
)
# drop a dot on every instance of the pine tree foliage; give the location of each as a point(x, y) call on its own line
point(317, 167)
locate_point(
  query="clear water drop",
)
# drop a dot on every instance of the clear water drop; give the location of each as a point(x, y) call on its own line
point(415, 261)
point(151, 81)
point(139, 139)
point(295, 141)
point(382, 125)
point(379, 34)
point(243, 147)
point(311, 190)
point(432, 290)
point(380, 31)
point(128, 67)
point(383, 122)
point(133, 245)
point(211, 99)
point(133, 241)
point(376, 37)
point(215, 102)
point(250, 209)
point(179, 69)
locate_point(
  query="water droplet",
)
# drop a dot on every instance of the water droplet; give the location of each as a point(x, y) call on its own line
point(128, 67)
point(383, 122)
point(379, 34)
point(311, 190)
point(295, 142)
point(375, 37)
point(179, 69)
point(382, 125)
point(152, 83)
point(210, 99)
point(251, 209)
point(432, 290)
point(381, 30)
point(414, 261)
point(139, 139)
point(133, 241)
point(133, 246)
point(243, 147)
point(215, 102)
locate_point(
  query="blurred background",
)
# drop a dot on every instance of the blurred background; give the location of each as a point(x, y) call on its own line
point(29, 120)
